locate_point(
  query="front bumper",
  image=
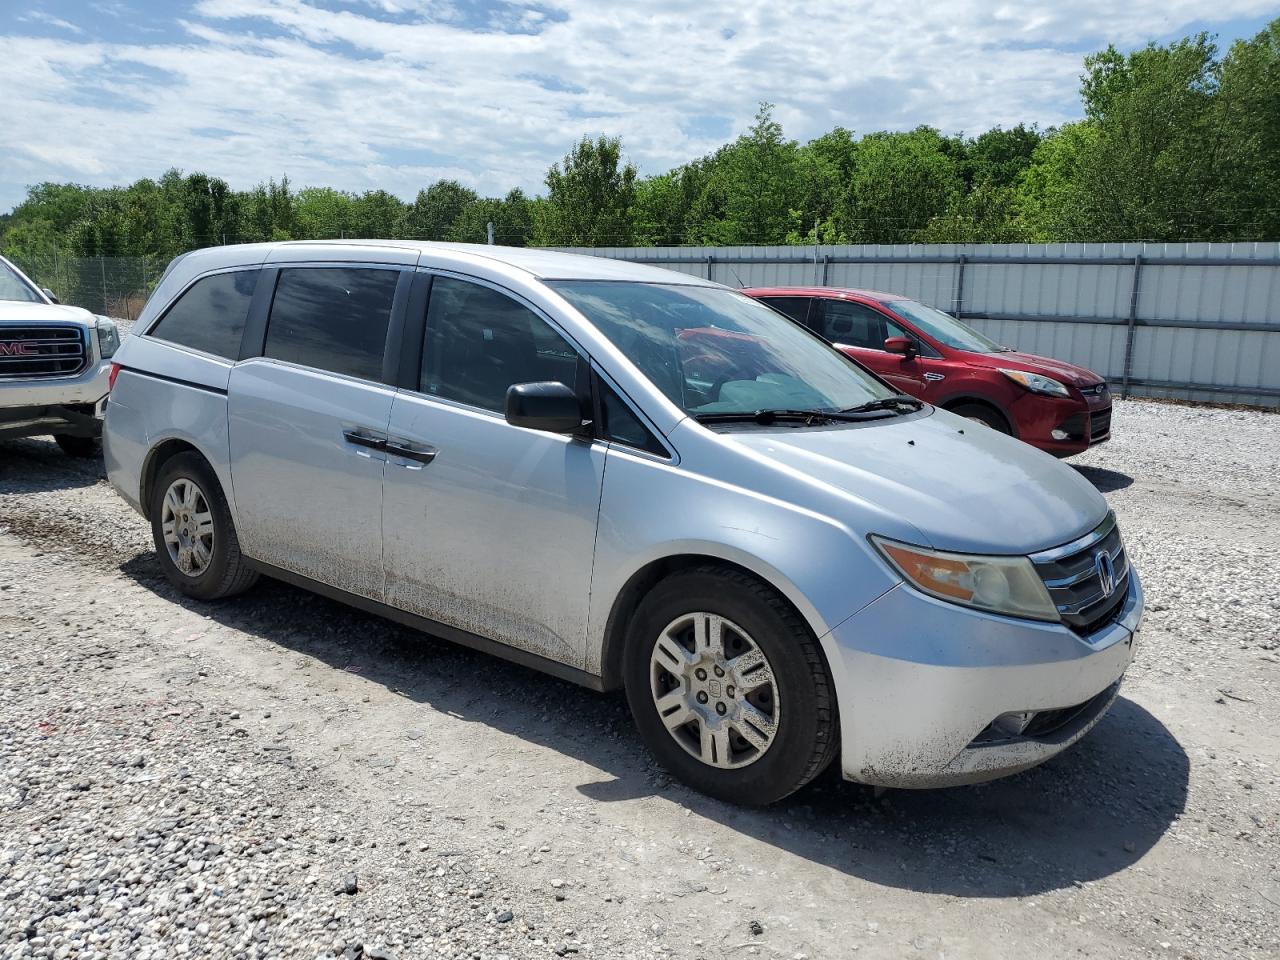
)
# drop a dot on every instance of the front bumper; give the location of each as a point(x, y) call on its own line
point(920, 683)
point(1081, 422)
point(71, 405)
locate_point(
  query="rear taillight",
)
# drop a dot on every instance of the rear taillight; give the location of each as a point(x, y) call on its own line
point(111, 377)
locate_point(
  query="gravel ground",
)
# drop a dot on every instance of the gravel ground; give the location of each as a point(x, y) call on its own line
point(280, 776)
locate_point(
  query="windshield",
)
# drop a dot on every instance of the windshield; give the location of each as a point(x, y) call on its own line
point(943, 327)
point(13, 287)
point(716, 351)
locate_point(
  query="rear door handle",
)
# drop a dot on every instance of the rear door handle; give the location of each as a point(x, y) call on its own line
point(421, 452)
point(364, 438)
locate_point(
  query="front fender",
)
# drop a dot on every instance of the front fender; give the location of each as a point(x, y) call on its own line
point(652, 510)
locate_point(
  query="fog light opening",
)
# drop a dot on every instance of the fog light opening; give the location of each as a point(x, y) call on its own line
point(1059, 434)
point(1012, 724)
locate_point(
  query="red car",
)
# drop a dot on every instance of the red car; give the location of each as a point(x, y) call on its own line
point(1059, 407)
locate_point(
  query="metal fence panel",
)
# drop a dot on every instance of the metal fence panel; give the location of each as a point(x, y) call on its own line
point(1196, 321)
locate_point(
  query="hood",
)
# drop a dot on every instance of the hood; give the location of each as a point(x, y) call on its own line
point(16, 311)
point(976, 491)
point(1060, 370)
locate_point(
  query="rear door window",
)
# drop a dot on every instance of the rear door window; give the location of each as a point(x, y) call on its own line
point(479, 342)
point(332, 318)
point(210, 315)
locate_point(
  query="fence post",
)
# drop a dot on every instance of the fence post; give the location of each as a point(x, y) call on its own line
point(102, 266)
point(1133, 320)
point(826, 268)
point(959, 297)
point(711, 268)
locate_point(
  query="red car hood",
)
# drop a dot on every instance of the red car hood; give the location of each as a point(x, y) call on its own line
point(1058, 369)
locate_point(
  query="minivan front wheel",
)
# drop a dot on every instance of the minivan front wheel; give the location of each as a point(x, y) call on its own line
point(728, 686)
point(195, 540)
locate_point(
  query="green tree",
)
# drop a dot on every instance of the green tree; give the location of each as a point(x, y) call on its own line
point(901, 182)
point(431, 216)
point(589, 197)
point(1245, 138)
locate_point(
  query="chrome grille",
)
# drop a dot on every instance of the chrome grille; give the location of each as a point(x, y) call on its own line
point(40, 351)
point(1074, 575)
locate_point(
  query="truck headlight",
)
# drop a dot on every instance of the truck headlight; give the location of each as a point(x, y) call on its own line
point(1036, 383)
point(108, 337)
point(1007, 585)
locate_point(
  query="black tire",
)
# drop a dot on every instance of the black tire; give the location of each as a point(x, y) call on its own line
point(807, 735)
point(983, 414)
point(82, 448)
point(227, 573)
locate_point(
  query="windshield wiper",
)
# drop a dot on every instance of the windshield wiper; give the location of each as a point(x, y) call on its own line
point(894, 403)
point(807, 417)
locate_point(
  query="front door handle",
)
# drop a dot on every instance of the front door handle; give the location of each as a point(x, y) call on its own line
point(421, 452)
point(363, 438)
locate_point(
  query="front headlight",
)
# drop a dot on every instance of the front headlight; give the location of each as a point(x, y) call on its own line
point(1007, 585)
point(108, 337)
point(1036, 383)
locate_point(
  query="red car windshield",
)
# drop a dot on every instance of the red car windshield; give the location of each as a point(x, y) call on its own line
point(712, 350)
point(943, 327)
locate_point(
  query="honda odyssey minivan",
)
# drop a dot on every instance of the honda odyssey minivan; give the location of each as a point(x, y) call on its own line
point(632, 479)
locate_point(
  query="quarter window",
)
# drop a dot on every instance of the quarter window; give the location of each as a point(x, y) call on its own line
point(332, 318)
point(210, 316)
point(797, 308)
point(479, 342)
point(620, 425)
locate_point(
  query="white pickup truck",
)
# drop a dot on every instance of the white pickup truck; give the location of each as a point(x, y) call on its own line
point(54, 366)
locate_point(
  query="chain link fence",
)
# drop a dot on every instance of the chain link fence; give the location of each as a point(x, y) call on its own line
point(111, 286)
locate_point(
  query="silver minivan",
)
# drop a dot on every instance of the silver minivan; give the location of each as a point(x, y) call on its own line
point(630, 478)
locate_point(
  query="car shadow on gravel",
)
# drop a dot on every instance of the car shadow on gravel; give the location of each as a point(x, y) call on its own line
point(34, 466)
point(1107, 481)
point(1094, 810)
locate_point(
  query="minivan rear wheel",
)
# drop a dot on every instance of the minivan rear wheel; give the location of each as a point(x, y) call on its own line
point(196, 542)
point(728, 686)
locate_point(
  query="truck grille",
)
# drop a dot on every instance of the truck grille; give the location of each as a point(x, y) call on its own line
point(1078, 575)
point(35, 352)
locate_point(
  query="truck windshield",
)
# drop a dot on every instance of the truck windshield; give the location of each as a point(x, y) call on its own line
point(943, 327)
point(13, 287)
point(715, 351)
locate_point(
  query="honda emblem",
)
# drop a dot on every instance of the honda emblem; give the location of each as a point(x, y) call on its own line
point(1106, 572)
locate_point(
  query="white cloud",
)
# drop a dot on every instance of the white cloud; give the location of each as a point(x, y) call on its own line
point(39, 16)
point(355, 97)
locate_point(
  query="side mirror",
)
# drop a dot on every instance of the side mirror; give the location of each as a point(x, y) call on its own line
point(550, 405)
point(49, 293)
point(902, 345)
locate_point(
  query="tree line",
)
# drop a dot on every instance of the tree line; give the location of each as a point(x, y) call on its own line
point(1177, 142)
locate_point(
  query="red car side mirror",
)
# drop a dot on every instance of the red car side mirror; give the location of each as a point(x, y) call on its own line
point(901, 345)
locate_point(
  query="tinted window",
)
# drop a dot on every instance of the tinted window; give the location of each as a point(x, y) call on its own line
point(852, 324)
point(210, 315)
point(797, 308)
point(332, 318)
point(621, 425)
point(479, 342)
